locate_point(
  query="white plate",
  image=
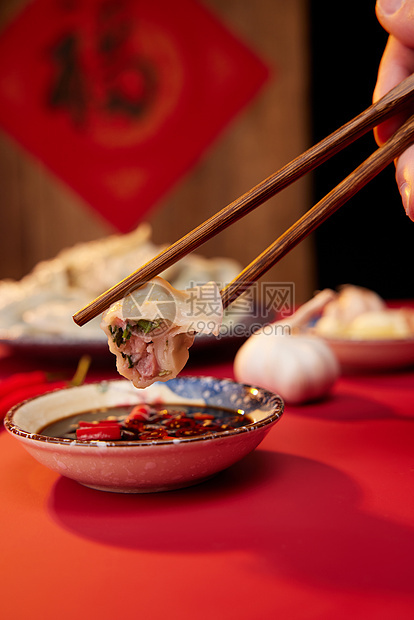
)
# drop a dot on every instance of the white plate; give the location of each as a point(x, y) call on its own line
point(372, 355)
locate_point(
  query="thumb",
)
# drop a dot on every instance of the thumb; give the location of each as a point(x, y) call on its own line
point(397, 18)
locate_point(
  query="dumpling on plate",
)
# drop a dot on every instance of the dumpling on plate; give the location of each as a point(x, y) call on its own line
point(351, 302)
point(383, 324)
point(360, 314)
point(151, 329)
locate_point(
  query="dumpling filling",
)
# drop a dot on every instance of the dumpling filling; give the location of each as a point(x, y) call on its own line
point(151, 330)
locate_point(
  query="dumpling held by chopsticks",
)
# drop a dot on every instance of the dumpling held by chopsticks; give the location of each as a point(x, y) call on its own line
point(151, 329)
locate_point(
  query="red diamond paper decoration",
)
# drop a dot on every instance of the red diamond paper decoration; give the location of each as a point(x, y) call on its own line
point(120, 97)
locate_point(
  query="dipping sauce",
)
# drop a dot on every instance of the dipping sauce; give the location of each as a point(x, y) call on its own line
point(146, 423)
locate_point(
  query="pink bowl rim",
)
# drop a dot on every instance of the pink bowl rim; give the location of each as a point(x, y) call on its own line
point(275, 415)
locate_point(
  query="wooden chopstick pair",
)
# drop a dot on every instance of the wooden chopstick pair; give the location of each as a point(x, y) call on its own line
point(396, 101)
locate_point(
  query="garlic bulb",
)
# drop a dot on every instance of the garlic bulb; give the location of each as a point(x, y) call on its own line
point(300, 368)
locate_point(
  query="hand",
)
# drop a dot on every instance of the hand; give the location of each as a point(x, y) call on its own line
point(397, 63)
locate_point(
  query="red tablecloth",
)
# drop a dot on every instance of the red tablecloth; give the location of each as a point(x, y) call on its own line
point(316, 523)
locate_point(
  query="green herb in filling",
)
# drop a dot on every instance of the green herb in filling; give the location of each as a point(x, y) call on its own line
point(117, 336)
point(122, 335)
point(127, 333)
point(129, 358)
point(148, 326)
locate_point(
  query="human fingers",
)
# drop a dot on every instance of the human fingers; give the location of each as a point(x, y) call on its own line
point(396, 64)
point(405, 180)
point(397, 18)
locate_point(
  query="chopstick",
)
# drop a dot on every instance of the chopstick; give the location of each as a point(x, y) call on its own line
point(337, 197)
point(394, 101)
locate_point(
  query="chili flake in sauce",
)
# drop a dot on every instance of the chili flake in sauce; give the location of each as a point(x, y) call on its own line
point(146, 422)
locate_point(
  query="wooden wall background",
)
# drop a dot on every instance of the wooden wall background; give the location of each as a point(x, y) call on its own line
point(40, 215)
